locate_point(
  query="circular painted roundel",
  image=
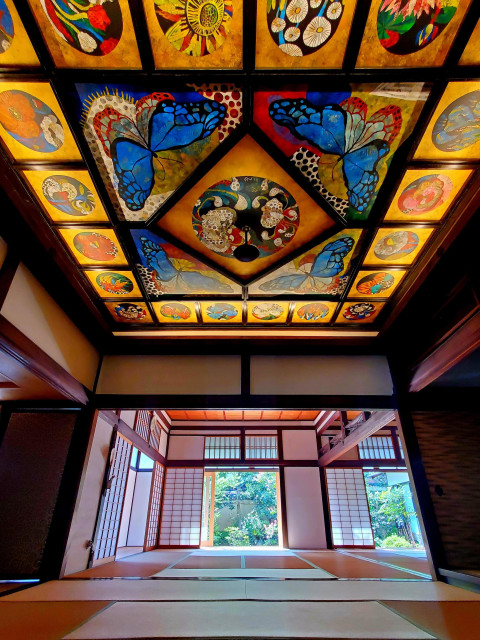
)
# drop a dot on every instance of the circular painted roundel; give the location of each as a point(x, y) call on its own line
point(359, 311)
point(267, 311)
point(68, 195)
point(375, 283)
point(114, 283)
point(458, 127)
point(313, 311)
point(396, 245)
point(175, 311)
point(129, 311)
point(405, 27)
point(301, 27)
point(224, 210)
point(94, 246)
point(425, 194)
point(222, 311)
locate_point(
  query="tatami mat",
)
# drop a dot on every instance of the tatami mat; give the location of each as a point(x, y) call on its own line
point(138, 566)
point(133, 590)
point(243, 573)
point(345, 566)
point(275, 562)
point(355, 590)
point(444, 620)
point(399, 560)
point(44, 620)
point(248, 619)
point(210, 562)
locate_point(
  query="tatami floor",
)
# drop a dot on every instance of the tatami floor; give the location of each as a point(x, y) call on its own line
point(254, 593)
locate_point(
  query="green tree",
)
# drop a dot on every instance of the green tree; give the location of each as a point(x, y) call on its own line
point(389, 513)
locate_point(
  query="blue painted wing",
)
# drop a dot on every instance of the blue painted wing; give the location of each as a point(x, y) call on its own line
point(324, 127)
point(329, 262)
point(158, 260)
point(360, 172)
point(193, 281)
point(285, 283)
point(175, 125)
point(133, 165)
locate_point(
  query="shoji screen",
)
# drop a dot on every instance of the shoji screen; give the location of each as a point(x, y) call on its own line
point(107, 530)
point(349, 515)
point(182, 508)
point(153, 518)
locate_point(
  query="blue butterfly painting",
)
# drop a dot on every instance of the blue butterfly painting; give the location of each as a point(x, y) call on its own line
point(343, 131)
point(168, 269)
point(317, 271)
point(136, 145)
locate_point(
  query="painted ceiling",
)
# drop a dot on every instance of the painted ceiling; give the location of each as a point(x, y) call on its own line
point(270, 163)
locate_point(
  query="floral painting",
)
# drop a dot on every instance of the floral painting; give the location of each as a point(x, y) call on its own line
point(175, 312)
point(324, 269)
point(313, 312)
point(94, 246)
point(267, 312)
point(130, 312)
point(221, 312)
point(32, 126)
point(165, 268)
point(305, 34)
point(453, 132)
point(359, 312)
point(113, 284)
point(343, 142)
point(7, 30)
point(425, 195)
point(402, 33)
point(88, 33)
point(147, 143)
point(245, 210)
point(379, 283)
point(397, 245)
point(16, 50)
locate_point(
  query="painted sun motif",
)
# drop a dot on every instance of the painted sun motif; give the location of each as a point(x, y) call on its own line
point(195, 27)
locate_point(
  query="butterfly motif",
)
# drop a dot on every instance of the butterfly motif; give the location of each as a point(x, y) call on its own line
point(178, 280)
point(327, 264)
point(343, 130)
point(160, 124)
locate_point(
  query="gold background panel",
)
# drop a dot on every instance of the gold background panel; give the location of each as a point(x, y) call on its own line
point(422, 233)
point(267, 310)
point(146, 317)
point(35, 180)
point(20, 53)
point(69, 235)
point(219, 305)
point(471, 53)
point(314, 309)
point(175, 311)
point(378, 306)
point(396, 274)
point(92, 276)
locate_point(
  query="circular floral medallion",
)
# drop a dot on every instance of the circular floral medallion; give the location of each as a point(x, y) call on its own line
point(458, 127)
point(267, 311)
point(30, 121)
point(68, 195)
point(395, 245)
point(94, 246)
point(375, 283)
point(222, 213)
point(6, 27)
point(404, 26)
point(114, 283)
point(195, 27)
point(425, 194)
point(221, 311)
point(129, 311)
point(313, 311)
point(301, 27)
point(93, 27)
point(175, 311)
point(359, 311)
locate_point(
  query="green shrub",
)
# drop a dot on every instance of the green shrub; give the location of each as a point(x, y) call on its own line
point(396, 541)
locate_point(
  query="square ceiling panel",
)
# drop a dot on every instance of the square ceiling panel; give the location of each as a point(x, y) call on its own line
point(67, 196)
point(342, 141)
point(426, 194)
point(148, 141)
point(376, 284)
point(453, 132)
point(113, 284)
point(359, 312)
point(175, 312)
point(267, 312)
point(246, 188)
point(401, 33)
point(129, 312)
point(298, 34)
point(94, 246)
point(220, 312)
point(88, 34)
point(471, 53)
point(33, 125)
point(190, 34)
point(16, 50)
point(166, 269)
point(313, 312)
point(323, 269)
point(397, 246)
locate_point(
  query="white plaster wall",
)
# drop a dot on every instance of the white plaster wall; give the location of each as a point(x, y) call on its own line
point(300, 445)
point(128, 417)
point(305, 522)
point(127, 509)
point(163, 443)
point(84, 518)
point(138, 519)
point(171, 375)
point(30, 308)
point(186, 448)
point(320, 375)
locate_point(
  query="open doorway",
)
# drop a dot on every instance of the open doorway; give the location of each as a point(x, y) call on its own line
point(241, 509)
point(394, 519)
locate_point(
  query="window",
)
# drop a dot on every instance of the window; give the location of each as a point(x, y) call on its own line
point(142, 424)
point(377, 448)
point(140, 461)
point(222, 448)
point(261, 448)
